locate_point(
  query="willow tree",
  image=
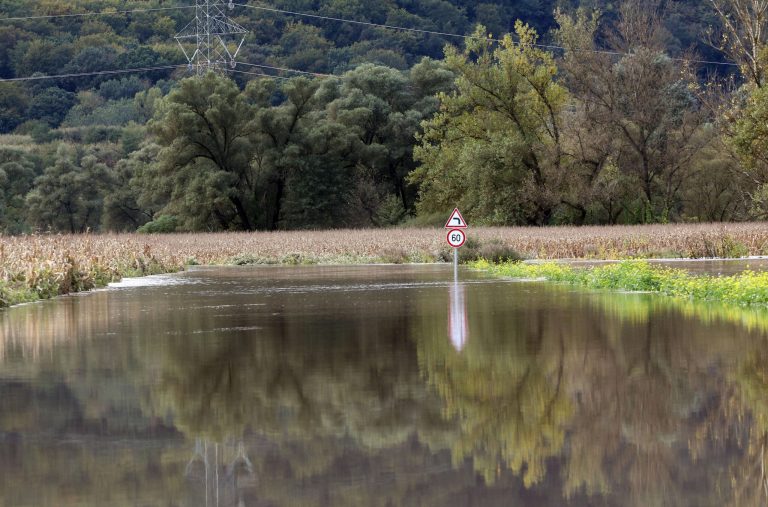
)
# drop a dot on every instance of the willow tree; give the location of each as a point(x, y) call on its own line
point(203, 128)
point(494, 148)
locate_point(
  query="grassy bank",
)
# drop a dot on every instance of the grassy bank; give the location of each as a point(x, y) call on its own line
point(43, 266)
point(747, 288)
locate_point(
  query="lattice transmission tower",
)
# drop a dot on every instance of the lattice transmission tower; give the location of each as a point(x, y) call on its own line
point(212, 40)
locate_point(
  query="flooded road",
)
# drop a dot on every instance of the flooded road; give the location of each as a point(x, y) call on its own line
point(380, 386)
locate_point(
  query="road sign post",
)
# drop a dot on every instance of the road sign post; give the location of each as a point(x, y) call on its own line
point(456, 238)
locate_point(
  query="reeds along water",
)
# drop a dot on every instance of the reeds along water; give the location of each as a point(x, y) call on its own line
point(27, 260)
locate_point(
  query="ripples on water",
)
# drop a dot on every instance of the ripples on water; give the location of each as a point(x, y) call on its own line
point(379, 386)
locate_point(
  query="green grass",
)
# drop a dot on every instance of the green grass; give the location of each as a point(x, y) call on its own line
point(748, 288)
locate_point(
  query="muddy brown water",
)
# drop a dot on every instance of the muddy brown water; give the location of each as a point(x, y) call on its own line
point(380, 386)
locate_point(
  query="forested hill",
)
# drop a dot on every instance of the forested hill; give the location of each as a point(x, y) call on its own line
point(82, 44)
point(91, 149)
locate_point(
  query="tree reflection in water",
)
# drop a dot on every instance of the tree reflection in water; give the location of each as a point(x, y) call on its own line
point(601, 399)
point(621, 407)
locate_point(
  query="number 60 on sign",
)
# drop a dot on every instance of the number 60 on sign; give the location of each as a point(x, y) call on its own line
point(456, 238)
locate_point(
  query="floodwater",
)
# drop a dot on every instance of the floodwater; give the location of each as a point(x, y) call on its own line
point(379, 386)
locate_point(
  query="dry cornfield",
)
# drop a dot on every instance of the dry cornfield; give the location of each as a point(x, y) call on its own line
point(45, 265)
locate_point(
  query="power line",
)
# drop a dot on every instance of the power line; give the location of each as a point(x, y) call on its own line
point(351, 21)
point(456, 35)
point(95, 73)
point(364, 23)
point(258, 74)
point(168, 67)
point(102, 13)
point(285, 69)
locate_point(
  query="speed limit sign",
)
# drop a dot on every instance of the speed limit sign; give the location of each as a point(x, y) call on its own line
point(456, 238)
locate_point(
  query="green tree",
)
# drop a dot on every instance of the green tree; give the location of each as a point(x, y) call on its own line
point(17, 173)
point(122, 211)
point(14, 102)
point(68, 195)
point(203, 127)
point(39, 55)
point(494, 148)
point(51, 105)
point(383, 108)
point(302, 157)
point(89, 59)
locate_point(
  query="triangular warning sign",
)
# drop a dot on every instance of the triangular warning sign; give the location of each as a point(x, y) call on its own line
point(456, 221)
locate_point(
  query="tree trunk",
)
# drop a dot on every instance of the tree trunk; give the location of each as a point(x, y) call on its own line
point(274, 218)
point(242, 213)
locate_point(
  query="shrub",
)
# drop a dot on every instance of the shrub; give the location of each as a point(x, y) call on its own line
point(161, 225)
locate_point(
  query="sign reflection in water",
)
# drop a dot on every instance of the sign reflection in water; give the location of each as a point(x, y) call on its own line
point(457, 320)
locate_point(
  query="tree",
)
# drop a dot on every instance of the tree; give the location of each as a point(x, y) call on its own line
point(122, 211)
point(638, 114)
point(302, 157)
point(13, 106)
point(383, 108)
point(68, 195)
point(266, 157)
point(305, 48)
point(17, 174)
point(744, 35)
point(42, 56)
point(747, 135)
point(744, 39)
point(90, 59)
point(495, 146)
point(51, 105)
point(203, 128)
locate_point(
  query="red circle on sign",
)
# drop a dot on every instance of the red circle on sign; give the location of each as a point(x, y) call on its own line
point(454, 241)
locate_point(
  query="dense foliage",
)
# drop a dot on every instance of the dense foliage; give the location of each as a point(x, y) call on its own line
point(584, 113)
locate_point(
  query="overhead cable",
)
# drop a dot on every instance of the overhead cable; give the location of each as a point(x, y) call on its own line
point(257, 74)
point(285, 69)
point(95, 73)
point(456, 35)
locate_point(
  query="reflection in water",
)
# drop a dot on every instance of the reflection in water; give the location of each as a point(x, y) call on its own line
point(458, 327)
point(235, 391)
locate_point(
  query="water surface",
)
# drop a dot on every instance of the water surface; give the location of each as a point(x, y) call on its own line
point(386, 385)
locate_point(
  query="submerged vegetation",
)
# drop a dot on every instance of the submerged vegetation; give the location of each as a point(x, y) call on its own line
point(748, 288)
point(44, 266)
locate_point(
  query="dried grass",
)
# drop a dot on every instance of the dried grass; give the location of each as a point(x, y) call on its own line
point(43, 266)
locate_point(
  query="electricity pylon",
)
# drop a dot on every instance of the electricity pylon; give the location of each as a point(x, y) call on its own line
point(212, 40)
